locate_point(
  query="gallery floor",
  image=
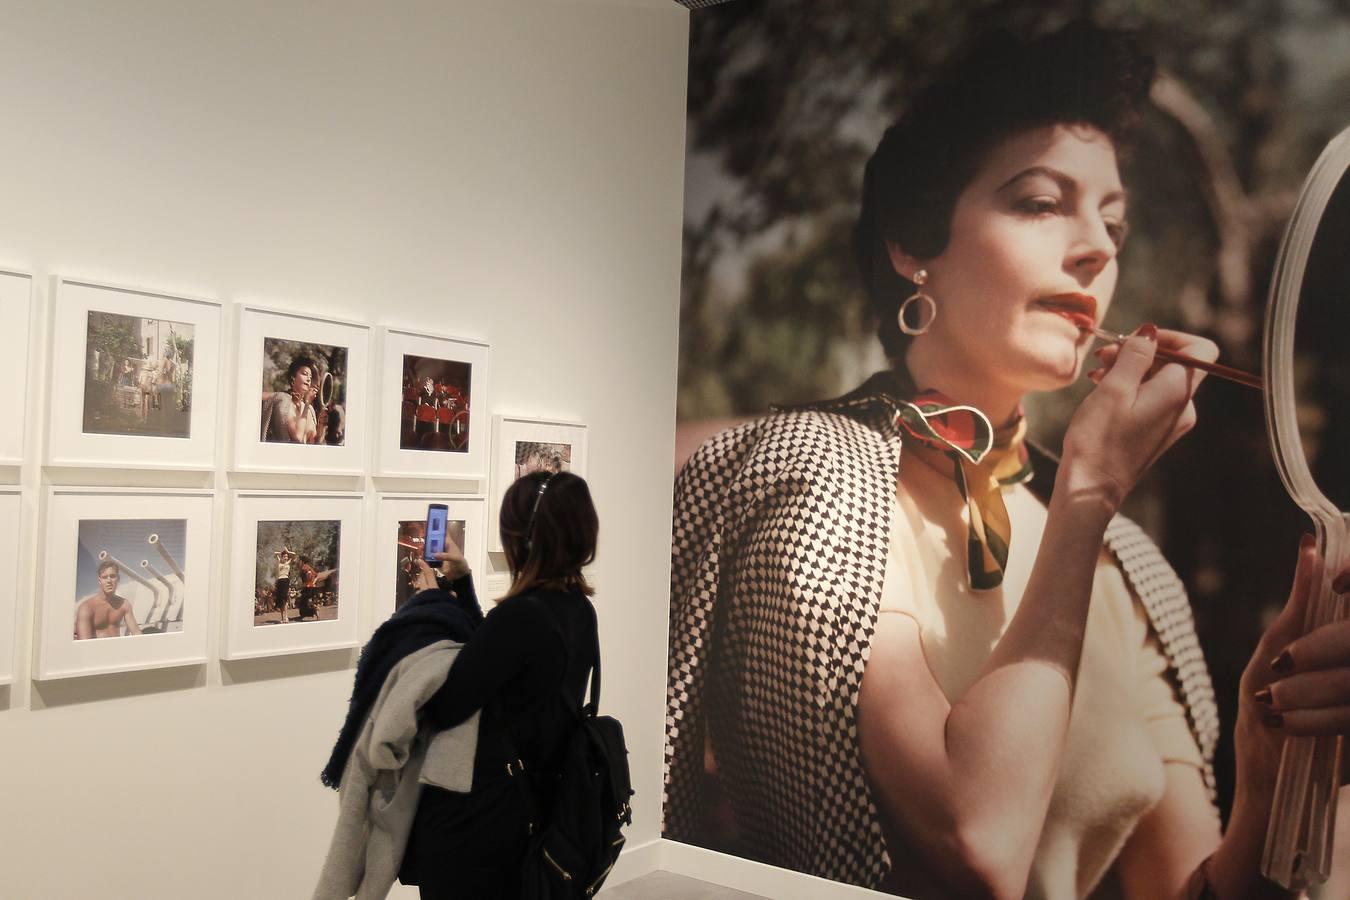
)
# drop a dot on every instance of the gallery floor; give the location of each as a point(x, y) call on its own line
point(669, 886)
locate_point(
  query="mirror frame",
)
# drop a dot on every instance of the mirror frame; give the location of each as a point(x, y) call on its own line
point(1286, 286)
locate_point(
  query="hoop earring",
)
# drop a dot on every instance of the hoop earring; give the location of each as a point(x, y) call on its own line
point(919, 279)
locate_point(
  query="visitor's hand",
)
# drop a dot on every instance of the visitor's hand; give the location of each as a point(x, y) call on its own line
point(424, 579)
point(1139, 408)
point(453, 563)
point(1294, 684)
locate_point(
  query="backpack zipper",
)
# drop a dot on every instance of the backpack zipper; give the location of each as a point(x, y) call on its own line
point(566, 875)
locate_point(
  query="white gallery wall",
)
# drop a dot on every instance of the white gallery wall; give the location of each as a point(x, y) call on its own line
point(501, 170)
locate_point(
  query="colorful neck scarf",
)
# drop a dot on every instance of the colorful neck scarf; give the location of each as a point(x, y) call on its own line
point(982, 460)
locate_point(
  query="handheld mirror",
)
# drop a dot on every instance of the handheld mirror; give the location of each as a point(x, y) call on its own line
point(1307, 375)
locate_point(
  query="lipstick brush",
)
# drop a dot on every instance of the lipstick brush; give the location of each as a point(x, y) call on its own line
point(1221, 371)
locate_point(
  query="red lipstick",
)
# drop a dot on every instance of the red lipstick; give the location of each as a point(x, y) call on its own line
point(1079, 309)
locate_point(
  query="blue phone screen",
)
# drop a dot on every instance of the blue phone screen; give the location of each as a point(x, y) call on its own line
point(435, 540)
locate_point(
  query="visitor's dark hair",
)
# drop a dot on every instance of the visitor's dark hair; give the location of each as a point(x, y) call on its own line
point(302, 362)
point(1080, 74)
point(548, 537)
point(106, 564)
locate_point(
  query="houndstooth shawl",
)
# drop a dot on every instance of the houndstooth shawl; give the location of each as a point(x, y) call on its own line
point(781, 531)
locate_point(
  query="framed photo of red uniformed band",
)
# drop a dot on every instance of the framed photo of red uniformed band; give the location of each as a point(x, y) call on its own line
point(126, 580)
point(135, 378)
point(295, 573)
point(433, 397)
point(16, 301)
point(301, 397)
point(521, 445)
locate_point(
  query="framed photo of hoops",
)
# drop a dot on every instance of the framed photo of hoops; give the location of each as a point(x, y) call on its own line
point(433, 396)
point(16, 304)
point(295, 573)
point(301, 399)
point(135, 378)
point(521, 445)
point(127, 581)
point(400, 530)
point(11, 523)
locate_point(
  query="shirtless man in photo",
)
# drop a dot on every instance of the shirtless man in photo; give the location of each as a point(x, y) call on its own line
point(102, 615)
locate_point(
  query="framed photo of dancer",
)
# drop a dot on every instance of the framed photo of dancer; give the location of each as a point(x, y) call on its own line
point(521, 445)
point(433, 394)
point(11, 523)
point(401, 528)
point(127, 581)
point(301, 397)
point(135, 378)
point(295, 573)
point(16, 303)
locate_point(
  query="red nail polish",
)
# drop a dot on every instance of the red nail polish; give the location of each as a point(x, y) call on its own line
point(1283, 663)
point(1272, 720)
point(1148, 330)
point(1263, 696)
point(1307, 540)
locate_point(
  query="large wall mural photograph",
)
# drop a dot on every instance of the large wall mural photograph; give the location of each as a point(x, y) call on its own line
point(946, 563)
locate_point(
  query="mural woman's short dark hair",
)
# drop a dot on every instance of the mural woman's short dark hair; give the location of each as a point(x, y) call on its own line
point(1080, 74)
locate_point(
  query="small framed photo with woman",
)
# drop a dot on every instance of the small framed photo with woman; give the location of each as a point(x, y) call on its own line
point(301, 402)
point(295, 573)
point(16, 304)
point(127, 581)
point(135, 378)
point(401, 522)
point(433, 395)
point(521, 445)
point(12, 521)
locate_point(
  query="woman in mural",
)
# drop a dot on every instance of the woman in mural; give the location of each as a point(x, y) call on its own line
point(910, 650)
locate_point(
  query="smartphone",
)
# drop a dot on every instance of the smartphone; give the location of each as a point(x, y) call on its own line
point(437, 513)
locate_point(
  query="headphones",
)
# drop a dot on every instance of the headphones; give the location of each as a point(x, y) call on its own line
point(529, 525)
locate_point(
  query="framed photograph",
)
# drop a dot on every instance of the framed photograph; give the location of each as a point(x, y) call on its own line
point(295, 573)
point(433, 391)
point(399, 543)
point(523, 445)
point(127, 581)
point(135, 378)
point(11, 517)
point(301, 398)
point(16, 304)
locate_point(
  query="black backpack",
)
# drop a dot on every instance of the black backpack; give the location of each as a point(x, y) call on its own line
point(576, 842)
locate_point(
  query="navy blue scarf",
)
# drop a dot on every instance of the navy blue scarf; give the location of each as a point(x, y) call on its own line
point(429, 617)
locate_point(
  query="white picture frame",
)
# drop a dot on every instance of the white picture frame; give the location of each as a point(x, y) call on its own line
point(16, 317)
point(508, 433)
point(168, 588)
point(11, 531)
point(395, 509)
point(266, 338)
point(124, 406)
point(455, 442)
point(265, 522)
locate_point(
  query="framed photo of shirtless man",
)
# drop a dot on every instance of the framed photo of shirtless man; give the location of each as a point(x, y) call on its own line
point(16, 301)
point(400, 531)
point(11, 523)
point(135, 378)
point(295, 573)
point(301, 397)
point(127, 580)
point(433, 400)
